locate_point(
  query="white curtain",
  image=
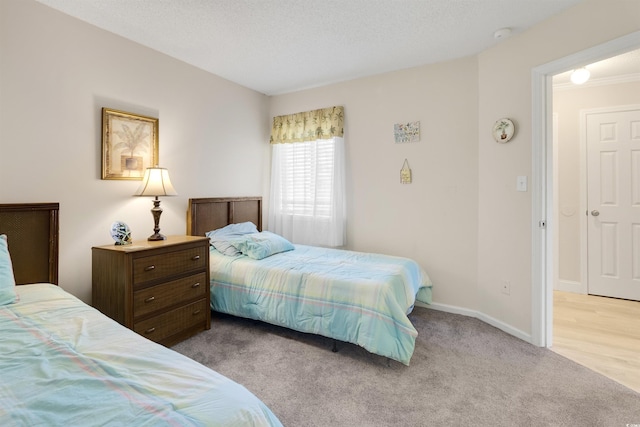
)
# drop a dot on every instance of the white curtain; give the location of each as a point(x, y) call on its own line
point(307, 203)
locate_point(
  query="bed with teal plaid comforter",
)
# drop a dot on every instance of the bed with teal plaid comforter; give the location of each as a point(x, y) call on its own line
point(62, 363)
point(356, 297)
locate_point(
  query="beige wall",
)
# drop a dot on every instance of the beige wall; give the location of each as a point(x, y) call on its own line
point(505, 218)
point(567, 104)
point(433, 219)
point(56, 73)
point(467, 226)
point(461, 218)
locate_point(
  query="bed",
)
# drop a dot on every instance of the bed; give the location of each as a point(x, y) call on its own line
point(64, 363)
point(354, 297)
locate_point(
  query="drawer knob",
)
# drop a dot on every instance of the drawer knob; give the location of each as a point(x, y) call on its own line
point(195, 285)
point(151, 298)
point(195, 258)
point(150, 267)
point(196, 312)
point(148, 331)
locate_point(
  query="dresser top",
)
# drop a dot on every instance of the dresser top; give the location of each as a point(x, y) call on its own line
point(142, 245)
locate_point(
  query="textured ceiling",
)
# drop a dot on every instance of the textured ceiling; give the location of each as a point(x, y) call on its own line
point(279, 46)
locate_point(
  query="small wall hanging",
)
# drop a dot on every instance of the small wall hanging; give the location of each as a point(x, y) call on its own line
point(406, 132)
point(503, 130)
point(405, 173)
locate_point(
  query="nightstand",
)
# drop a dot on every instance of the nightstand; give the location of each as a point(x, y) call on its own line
point(159, 289)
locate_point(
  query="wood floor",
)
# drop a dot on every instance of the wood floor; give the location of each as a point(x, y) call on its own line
point(600, 333)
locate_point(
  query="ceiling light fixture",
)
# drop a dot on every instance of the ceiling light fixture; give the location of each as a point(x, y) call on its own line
point(580, 76)
point(502, 33)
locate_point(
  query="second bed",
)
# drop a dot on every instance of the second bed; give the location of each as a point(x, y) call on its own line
point(356, 297)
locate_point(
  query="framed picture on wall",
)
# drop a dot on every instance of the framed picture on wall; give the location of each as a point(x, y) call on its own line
point(406, 132)
point(129, 144)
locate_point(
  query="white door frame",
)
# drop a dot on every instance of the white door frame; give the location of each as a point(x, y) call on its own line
point(542, 227)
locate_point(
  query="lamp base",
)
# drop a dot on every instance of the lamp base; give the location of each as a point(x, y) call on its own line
point(156, 211)
point(157, 236)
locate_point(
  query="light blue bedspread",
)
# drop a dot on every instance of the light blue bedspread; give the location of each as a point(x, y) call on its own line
point(361, 298)
point(62, 363)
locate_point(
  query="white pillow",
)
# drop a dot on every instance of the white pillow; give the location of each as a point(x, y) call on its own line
point(237, 229)
point(262, 245)
point(221, 237)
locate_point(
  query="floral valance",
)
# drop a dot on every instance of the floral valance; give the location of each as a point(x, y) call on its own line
point(308, 126)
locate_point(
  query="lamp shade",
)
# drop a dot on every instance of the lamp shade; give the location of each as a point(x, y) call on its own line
point(156, 182)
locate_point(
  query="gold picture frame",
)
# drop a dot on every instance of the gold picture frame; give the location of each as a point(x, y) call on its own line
point(129, 144)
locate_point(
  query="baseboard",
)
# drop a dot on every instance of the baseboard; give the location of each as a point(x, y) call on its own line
point(569, 286)
point(480, 316)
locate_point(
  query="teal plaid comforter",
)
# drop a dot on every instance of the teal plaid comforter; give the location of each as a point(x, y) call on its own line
point(62, 363)
point(361, 298)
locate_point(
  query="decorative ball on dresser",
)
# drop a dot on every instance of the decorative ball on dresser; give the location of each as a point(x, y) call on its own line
point(121, 233)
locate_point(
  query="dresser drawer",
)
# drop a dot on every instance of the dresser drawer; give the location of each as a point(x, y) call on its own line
point(172, 322)
point(163, 265)
point(162, 296)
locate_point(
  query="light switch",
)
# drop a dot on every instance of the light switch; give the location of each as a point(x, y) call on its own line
point(522, 183)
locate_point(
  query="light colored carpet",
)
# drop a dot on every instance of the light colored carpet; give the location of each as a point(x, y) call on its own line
point(463, 372)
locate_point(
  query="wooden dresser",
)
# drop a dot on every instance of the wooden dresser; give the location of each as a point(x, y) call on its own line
point(159, 289)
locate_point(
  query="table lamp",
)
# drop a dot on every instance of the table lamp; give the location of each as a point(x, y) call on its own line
point(156, 183)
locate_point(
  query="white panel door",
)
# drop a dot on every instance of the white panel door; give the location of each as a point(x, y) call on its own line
point(613, 180)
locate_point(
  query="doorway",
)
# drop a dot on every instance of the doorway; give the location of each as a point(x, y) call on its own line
point(589, 132)
point(543, 254)
point(597, 183)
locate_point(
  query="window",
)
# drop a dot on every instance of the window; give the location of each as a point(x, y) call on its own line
point(307, 191)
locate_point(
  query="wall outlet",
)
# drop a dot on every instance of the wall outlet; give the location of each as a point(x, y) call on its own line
point(506, 287)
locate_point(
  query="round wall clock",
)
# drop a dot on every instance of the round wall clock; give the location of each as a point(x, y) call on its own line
point(503, 130)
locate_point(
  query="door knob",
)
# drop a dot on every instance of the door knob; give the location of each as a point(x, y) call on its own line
point(595, 212)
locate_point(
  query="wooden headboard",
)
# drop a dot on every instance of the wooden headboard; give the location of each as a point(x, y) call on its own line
point(32, 233)
point(208, 214)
